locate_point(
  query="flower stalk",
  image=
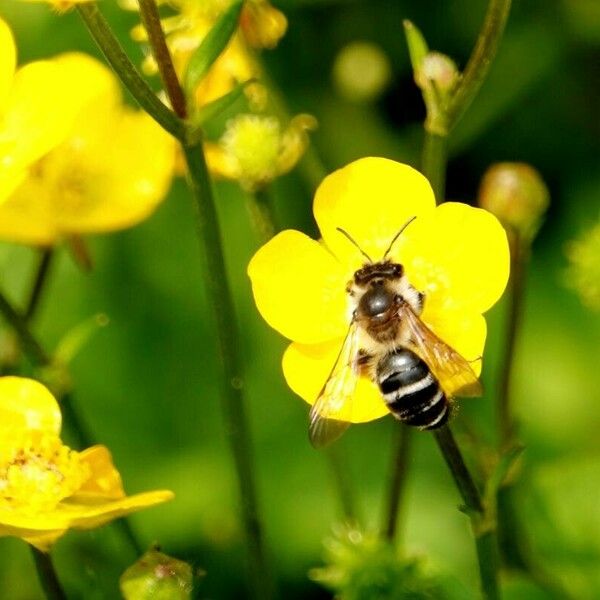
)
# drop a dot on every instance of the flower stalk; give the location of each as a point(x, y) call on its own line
point(260, 209)
point(47, 575)
point(482, 523)
point(39, 281)
point(127, 71)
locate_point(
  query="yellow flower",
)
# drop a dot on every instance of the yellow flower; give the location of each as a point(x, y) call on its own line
point(109, 172)
point(45, 487)
point(31, 122)
point(454, 254)
point(254, 150)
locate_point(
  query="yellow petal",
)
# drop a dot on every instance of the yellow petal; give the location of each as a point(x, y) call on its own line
point(371, 199)
point(8, 60)
point(306, 368)
point(44, 542)
point(104, 481)
point(458, 256)
point(88, 516)
point(39, 112)
point(299, 288)
point(126, 175)
point(26, 404)
point(26, 216)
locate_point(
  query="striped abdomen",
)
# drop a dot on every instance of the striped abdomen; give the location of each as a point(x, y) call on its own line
point(410, 391)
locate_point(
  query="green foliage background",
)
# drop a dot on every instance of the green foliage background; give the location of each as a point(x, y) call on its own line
point(145, 384)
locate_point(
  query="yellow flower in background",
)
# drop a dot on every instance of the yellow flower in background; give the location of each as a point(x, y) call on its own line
point(261, 26)
point(45, 487)
point(254, 150)
point(109, 172)
point(37, 110)
point(456, 255)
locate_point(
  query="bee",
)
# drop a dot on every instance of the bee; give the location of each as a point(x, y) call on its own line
point(417, 373)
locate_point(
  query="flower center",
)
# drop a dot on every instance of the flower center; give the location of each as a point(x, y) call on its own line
point(37, 471)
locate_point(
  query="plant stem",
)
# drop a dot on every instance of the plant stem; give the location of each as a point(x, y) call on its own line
point(518, 266)
point(482, 522)
point(342, 484)
point(29, 343)
point(480, 60)
point(126, 70)
point(39, 281)
point(47, 575)
point(260, 209)
point(156, 37)
point(398, 477)
point(229, 361)
point(433, 163)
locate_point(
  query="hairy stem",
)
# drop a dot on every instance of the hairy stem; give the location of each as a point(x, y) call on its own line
point(482, 523)
point(480, 60)
point(126, 70)
point(47, 575)
point(156, 37)
point(433, 163)
point(398, 477)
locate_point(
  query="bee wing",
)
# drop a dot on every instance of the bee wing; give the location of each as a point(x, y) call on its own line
point(331, 414)
point(453, 372)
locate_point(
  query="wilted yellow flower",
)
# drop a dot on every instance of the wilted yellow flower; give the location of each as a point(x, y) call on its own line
point(254, 150)
point(45, 487)
point(37, 110)
point(456, 255)
point(110, 171)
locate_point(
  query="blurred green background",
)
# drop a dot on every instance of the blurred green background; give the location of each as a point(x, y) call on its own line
point(145, 384)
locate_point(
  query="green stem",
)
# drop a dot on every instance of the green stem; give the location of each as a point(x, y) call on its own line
point(126, 70)
point(47, 575)
point(29, 343)
point(229, 362)
point(480, 60)
point(433, 163)
point(518, 262)
point(342, 484)
point(39, 281)
point(156, 37)
point(482, 522)
point(398, 477)
point(260, 209)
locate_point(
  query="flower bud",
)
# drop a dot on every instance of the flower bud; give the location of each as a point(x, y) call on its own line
point(262, 24)
point(583, 273)
point(361, 71)
point(437, 71)
point(517, 195)
point(156, 576)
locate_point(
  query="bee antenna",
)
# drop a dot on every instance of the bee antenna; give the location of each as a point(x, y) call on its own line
point(397, 236)
point(349, 237)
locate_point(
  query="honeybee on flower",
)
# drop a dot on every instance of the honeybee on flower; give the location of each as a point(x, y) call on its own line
point(450, 265)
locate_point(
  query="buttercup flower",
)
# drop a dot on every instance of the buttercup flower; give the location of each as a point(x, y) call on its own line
point(31, 123)
point(61, 5)
point(108, 172)
point(456, 255)
point(45, 487)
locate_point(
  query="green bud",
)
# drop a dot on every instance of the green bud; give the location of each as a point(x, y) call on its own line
point(583, 273)
point(517, 195)
point(156, 576)
point(437, 72)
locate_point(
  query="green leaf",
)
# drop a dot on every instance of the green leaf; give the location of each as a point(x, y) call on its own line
point(417, 46)
point(211, 47)
point(213, 109)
